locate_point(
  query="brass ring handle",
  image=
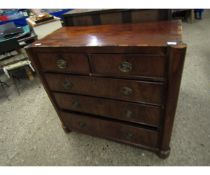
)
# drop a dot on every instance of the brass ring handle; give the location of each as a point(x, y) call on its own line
point(61, 63)
point(128, 113)
point(75, 104)
point(125, 66)
point(82, 124)
point(126, 91)
point(67, 85)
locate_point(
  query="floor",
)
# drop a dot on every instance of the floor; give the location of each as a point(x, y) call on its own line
point(31, 134)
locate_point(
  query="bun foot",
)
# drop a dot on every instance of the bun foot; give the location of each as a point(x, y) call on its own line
point(66, 130)
point(163, 154)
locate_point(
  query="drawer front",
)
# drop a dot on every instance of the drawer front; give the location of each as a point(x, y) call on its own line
point(109, 129)
point(128, 65)
point(64, 62)
point(129, 90)
point(133, 112)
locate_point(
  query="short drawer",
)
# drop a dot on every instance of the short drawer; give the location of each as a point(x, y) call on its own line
point(129, 90)
point(132, 112)
point(128, 65)
point(64, 62)
point(109, 129)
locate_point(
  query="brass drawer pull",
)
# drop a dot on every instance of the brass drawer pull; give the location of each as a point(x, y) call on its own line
point(126, 91)
point(61, 63)
point(82, 124)
point(128, 113)
point(129, 136)
point(125, 66)
point(76, 104)
point(67, 85)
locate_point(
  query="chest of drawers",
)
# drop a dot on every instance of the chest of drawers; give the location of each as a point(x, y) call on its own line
point(119, 82)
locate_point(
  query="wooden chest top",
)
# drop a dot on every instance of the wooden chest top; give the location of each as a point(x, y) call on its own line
point(142, 34)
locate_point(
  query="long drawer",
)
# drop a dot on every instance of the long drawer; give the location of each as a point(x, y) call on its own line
point(129, 90)
point(127, 111)
point(128, 65)
point(110, 129)
point(64, 62)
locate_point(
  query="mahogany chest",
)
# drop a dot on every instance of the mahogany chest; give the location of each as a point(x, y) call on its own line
point(119, 82)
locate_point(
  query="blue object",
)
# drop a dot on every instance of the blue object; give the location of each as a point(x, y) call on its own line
point(60, 13)
point(18, 22)
point(198, 13)
point(16, 16)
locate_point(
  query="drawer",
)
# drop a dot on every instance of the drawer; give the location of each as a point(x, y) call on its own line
point(110, 129)
point(129, 90)
point(133, 112)
point(64, 62)
point(128, 65)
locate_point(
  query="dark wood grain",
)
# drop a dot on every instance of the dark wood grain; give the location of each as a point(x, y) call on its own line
point(139, 16)
point(75, 63)
point(141, 65)
point(175, 68)
point(144, 34)
point(111, 18)
point(112, 130)
point(153, 50)
point(142, 92)
point(132, 112)
point(82, 20)
point(126, 17)
point(115, 16)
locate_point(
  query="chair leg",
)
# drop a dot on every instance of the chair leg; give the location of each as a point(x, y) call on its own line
point(15, 83)
point(3, 85)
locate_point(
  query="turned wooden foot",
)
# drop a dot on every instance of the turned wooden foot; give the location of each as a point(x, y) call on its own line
point(67, 130)
point(163, 154)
